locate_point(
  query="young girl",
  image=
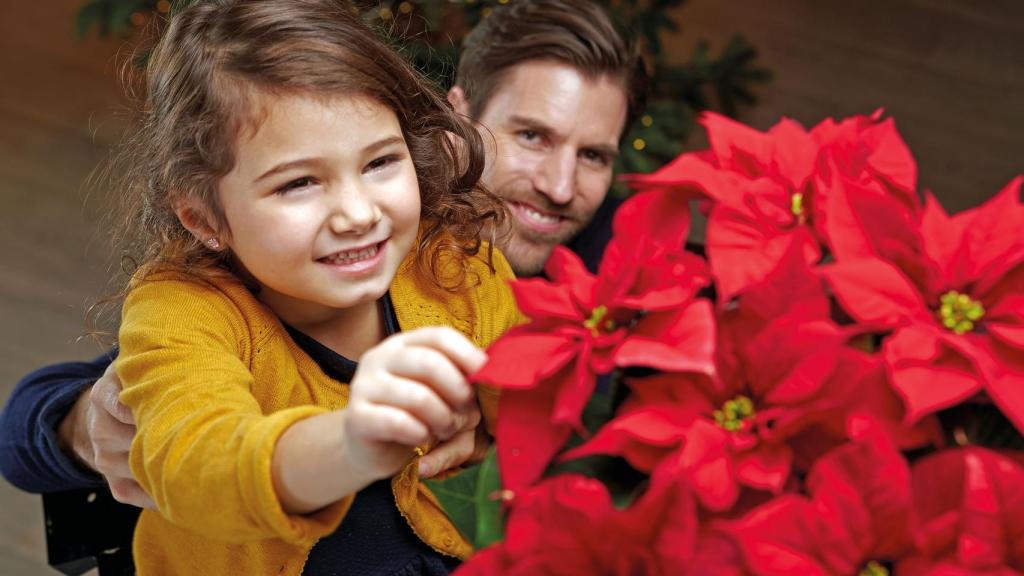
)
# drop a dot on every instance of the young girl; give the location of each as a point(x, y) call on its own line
point(300, 195)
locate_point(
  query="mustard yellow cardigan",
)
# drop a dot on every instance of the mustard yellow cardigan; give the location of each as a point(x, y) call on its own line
point(213, 380)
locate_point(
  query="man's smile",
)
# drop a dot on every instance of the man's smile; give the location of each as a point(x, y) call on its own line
point(536, 219)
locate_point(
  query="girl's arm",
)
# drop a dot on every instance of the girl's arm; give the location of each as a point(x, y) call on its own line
point(216, 464)
point(406, 393)
point(204, 445)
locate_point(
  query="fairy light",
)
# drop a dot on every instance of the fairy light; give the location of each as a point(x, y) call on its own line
point(639, 144)
point(646, 120)
point(405, 7)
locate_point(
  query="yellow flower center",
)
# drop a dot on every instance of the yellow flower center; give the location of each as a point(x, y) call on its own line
point(597, 322)
point(874, 569)
point(796, 204)
point(735, 413)
point(959, 312)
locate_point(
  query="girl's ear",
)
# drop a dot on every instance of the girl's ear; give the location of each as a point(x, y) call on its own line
point(457, 98)
point(194, 217)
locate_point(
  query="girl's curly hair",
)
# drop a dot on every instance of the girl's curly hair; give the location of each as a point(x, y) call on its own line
point(213, 56)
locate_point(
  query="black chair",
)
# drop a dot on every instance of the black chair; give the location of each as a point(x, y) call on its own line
point(88, 529)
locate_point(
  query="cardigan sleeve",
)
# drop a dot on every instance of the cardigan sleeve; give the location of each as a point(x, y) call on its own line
point(30, 455)
point(203, 448)
point(496, 313)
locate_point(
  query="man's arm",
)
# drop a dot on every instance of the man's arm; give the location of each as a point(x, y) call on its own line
point(63, 428)
point(31, 455)
point(98, 433)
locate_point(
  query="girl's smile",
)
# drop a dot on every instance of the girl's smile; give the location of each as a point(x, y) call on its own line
point(356, 260)
point(322, 204)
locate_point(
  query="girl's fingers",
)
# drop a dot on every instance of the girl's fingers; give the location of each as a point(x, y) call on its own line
point(383, 423)
point(460, 350)
point(436, 370)
point(420, 401)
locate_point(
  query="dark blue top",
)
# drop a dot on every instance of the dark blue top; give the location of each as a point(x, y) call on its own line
point(590, 243)
point(373, 538)
point(30, 457)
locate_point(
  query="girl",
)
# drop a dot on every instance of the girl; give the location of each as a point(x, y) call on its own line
point(299, 198)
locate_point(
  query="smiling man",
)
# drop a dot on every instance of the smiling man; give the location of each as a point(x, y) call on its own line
point(553, 85)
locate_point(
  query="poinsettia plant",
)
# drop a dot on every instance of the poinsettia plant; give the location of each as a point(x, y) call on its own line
point(836, 388)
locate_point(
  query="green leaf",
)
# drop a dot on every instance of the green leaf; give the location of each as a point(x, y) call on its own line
point(471, 499)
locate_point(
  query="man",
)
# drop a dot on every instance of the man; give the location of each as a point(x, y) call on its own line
point(556, 85)
point(553, 86)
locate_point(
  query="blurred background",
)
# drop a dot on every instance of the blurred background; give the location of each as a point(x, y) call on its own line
point(950, 72)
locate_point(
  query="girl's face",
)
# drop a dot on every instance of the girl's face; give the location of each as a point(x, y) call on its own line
point(322, 205)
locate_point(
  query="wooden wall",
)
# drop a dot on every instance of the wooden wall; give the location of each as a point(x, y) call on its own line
point(951, 72)
point(60, 108)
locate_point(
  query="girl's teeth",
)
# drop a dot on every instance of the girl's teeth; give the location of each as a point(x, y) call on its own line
point(353, 255)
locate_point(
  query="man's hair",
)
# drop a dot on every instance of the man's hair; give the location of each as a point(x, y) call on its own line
point(577, 32)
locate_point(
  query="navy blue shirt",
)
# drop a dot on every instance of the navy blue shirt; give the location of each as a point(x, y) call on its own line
point(30, 456)
point(374, 538)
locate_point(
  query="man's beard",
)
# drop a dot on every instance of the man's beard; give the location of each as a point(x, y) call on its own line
point(526, 249)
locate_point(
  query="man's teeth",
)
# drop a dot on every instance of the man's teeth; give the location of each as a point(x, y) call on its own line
point(352, 256)
point(539, 216)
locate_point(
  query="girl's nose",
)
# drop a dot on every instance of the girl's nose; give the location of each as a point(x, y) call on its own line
point(353, 210)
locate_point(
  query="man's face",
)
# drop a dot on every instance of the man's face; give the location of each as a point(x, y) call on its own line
point(555, 138)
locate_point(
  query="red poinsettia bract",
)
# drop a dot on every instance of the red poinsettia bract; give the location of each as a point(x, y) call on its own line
point(787, 379)
point(971, 509)
point(657, 535)
point(956, 310)
point(857, 518)
point(772, 190)
point(639, 310)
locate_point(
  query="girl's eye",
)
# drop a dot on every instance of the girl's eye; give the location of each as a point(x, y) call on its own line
point(296, 184)
point(378, 163)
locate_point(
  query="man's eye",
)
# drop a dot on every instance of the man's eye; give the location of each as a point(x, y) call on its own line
point(594, 157)
point(529, 135)
point(296, 184)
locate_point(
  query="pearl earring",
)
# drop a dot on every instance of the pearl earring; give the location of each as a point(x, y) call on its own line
point(213, 243)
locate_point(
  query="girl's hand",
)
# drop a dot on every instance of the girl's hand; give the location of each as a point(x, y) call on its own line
point(468, 446)
point(408, 390)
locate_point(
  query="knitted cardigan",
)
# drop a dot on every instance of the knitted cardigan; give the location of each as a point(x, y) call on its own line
point(214, 380)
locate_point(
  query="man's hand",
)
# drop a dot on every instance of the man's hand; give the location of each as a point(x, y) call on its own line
point(468, 446)
point(99, 430)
